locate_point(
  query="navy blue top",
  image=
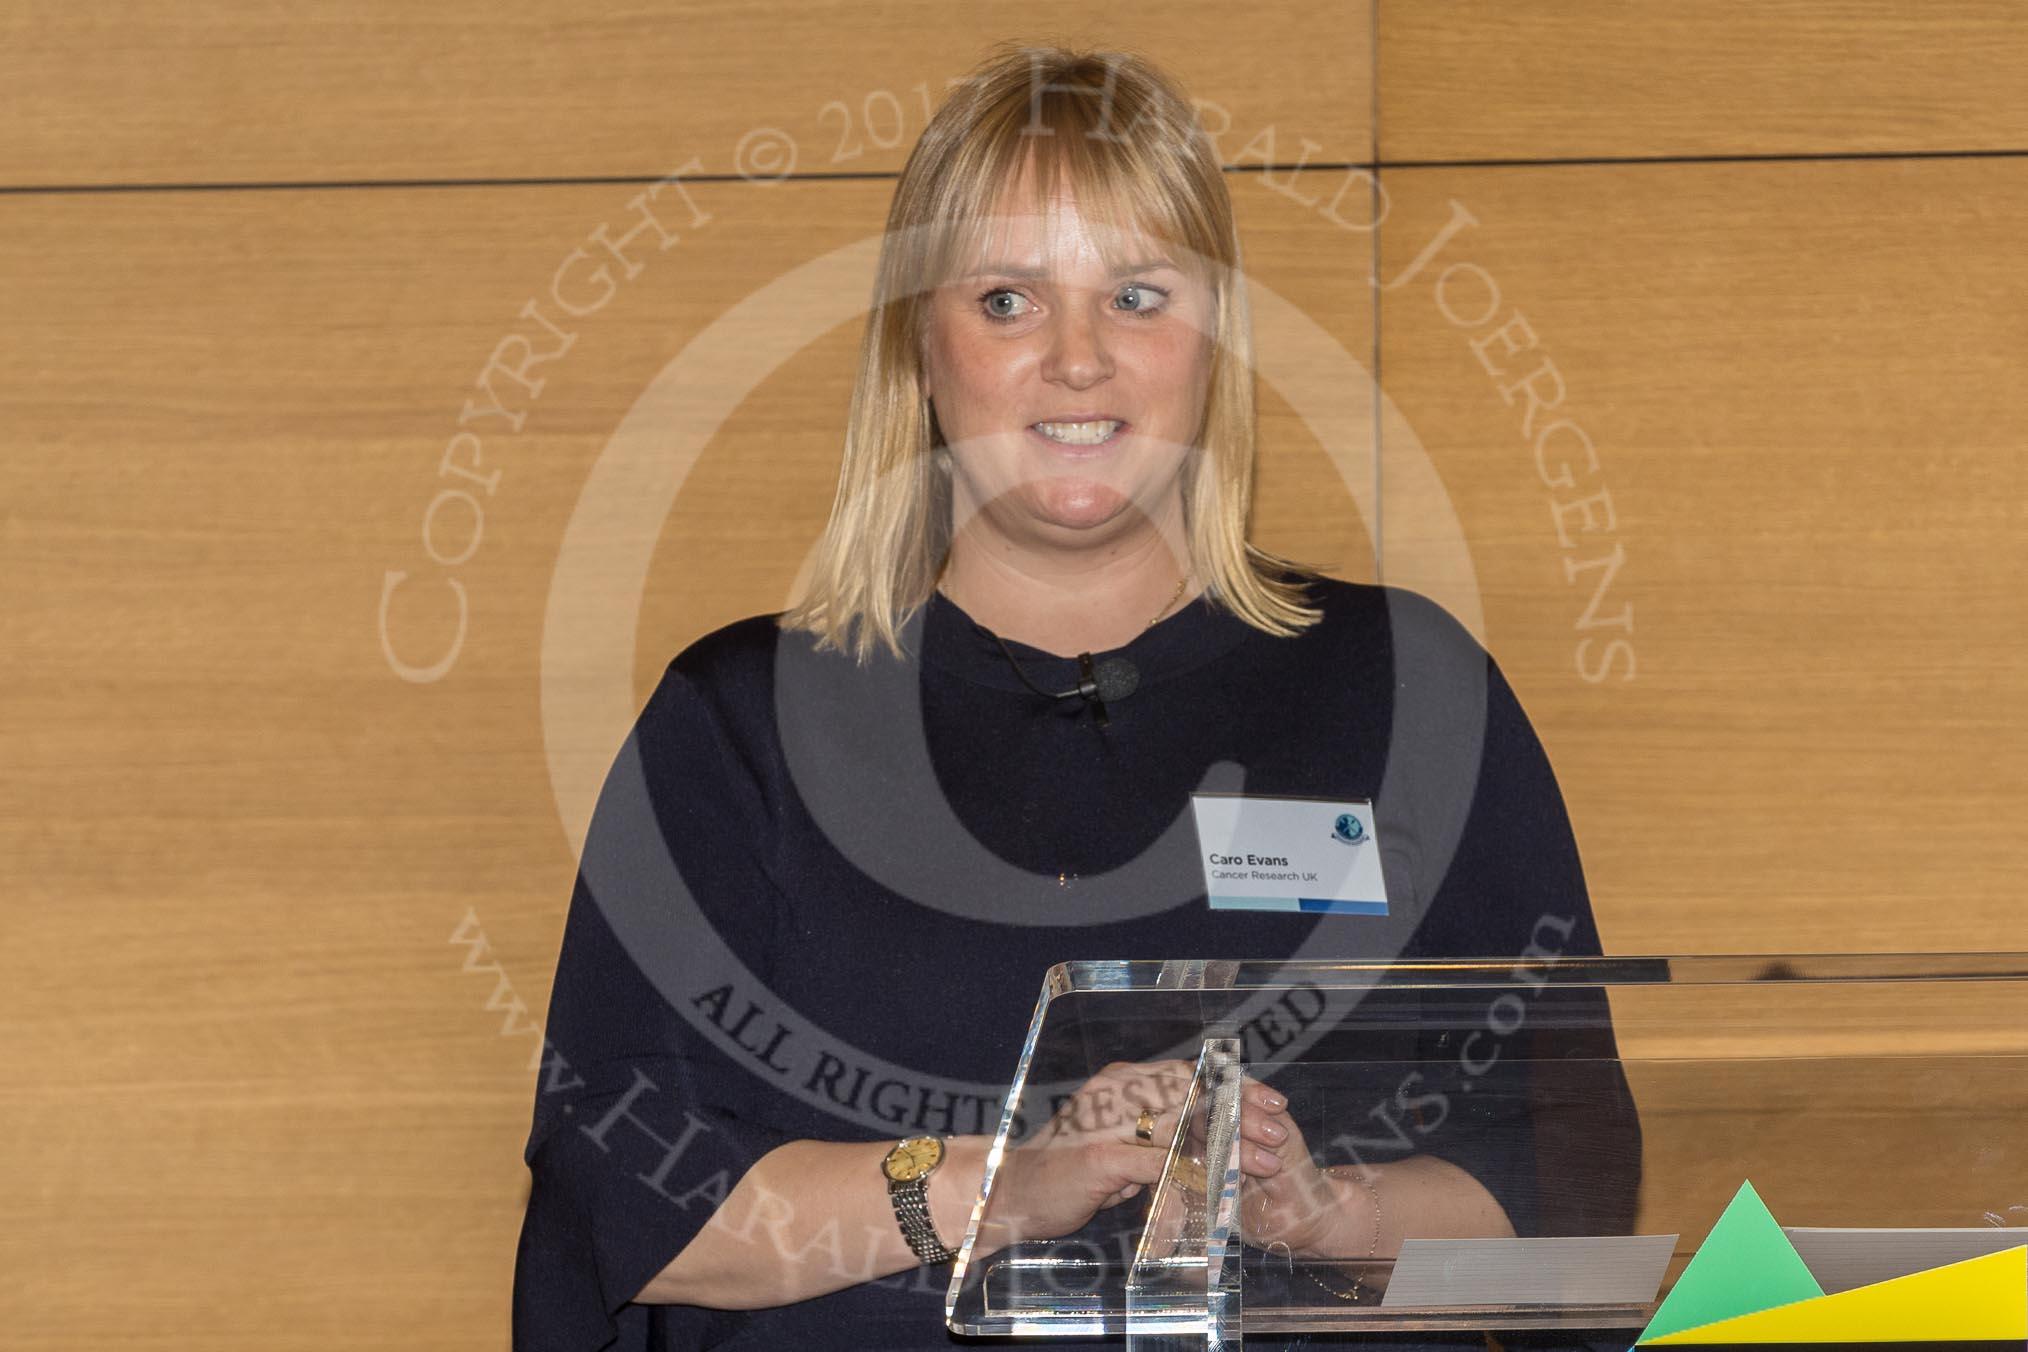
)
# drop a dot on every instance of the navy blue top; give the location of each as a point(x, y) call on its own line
point(817, 901)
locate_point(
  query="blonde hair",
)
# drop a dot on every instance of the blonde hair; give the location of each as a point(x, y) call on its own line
point(1129, 141)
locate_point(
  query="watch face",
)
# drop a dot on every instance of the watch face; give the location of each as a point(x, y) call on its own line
point(913, 1158)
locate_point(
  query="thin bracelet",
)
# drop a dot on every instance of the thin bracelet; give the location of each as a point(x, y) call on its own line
point(1355, 1293)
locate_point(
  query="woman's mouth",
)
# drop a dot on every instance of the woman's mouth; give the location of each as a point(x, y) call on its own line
point(1080, 436)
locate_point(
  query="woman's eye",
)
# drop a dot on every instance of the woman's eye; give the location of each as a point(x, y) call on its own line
point(1153, 298)
point(990, 298)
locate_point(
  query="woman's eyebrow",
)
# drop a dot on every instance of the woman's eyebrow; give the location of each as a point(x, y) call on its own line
point(1031, 274)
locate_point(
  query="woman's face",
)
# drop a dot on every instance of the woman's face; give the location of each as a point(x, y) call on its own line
point(1031, 360)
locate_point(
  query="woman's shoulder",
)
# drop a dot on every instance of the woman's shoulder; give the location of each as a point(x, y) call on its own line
point(741, 649)
point(1363, 614)
point(712, 711)
point(726, 675)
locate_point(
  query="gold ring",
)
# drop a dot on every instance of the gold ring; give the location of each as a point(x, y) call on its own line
point(1144, 1127)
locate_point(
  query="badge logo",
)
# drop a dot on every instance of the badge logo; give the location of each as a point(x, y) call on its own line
point(1349, 830)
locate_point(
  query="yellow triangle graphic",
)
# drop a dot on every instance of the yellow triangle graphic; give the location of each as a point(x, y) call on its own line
point(1981, 1298)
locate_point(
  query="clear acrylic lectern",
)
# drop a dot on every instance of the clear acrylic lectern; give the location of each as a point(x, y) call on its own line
point(1557, 1139)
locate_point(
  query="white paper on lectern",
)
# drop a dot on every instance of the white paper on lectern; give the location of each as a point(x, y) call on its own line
point(1545, 1270)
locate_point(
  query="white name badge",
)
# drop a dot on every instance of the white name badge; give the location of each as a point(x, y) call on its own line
point(1289, 854)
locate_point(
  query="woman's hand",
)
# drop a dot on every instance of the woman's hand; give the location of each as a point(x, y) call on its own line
point(1309, 1211)
point(1087, 1157)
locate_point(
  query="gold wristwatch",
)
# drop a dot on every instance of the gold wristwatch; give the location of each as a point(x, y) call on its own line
point(907, 1168)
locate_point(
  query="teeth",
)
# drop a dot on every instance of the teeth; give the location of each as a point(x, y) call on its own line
point(1079, 434)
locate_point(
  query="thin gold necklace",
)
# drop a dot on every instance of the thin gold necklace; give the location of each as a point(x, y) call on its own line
point(1181, 583)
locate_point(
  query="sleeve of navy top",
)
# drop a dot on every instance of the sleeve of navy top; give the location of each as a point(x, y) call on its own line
point(641, 1124)
point(1524, 1088)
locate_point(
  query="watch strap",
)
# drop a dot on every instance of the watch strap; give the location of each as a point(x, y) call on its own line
point(911, 1209)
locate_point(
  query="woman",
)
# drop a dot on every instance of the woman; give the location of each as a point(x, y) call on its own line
point(843, 845)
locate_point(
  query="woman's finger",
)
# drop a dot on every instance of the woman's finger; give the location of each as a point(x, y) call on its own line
point(1264, 1097)
point(1266, 1128)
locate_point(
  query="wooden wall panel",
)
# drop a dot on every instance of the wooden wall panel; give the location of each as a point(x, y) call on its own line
point(1486, 79)
point(1805, 526)
point(233, 91)
point(1815, 1133)
point(283, 923)
point(258, 1093)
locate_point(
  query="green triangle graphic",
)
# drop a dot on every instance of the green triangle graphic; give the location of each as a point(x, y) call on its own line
point(1745, 1265)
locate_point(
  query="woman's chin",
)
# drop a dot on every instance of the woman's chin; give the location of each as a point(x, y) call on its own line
point(1073, 513)
point(1083, 511)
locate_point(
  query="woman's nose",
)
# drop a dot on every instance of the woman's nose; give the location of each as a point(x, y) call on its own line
point(1077, 351)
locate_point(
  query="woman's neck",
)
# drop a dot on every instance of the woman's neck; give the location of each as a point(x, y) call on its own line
point(1066, 603)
